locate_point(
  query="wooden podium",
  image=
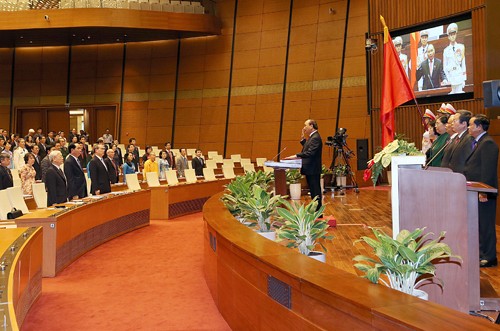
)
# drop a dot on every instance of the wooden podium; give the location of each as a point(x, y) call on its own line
point(442, 200)
point(280, 173)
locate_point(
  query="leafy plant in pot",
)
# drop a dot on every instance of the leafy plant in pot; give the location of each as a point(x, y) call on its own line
point(341, 171)
point(406, 261)
point(302, 229)
point(293, 177)
point(237, 191)
point(261, 207)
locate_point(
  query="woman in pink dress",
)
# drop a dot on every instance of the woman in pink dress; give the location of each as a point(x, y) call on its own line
point(28, 174)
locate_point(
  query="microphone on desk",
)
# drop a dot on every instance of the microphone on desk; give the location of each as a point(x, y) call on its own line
point(284, 149)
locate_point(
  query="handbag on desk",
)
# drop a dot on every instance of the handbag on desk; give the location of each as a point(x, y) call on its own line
point(14, 213)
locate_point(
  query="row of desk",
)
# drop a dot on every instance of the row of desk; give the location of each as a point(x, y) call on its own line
point(258, 284)
point(63, 235)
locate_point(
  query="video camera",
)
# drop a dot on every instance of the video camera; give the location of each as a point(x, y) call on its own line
point(339, 140)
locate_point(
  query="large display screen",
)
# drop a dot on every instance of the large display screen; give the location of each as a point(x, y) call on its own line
point(438, 58)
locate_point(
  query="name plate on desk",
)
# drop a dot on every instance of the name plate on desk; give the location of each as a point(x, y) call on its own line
point(285, 164)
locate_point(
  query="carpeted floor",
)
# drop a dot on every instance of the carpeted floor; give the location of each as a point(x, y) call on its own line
point(149, 279)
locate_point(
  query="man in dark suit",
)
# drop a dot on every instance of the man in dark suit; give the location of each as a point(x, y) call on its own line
point(113, 170)
point(198, 163)
point(462, 142)
point(50, 138)
point(312, 146)
point(118, 154)
point(432, 71)
point(43, 147)
point(37, 165)
point(55, 181)
point(6, 180)
point(99, 172)
point(77, 181)
point(170, 155)
point(481, 166)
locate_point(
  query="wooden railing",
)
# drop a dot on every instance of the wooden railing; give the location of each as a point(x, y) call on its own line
point(260, 285)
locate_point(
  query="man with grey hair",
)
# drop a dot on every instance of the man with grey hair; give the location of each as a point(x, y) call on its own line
point(55, 180)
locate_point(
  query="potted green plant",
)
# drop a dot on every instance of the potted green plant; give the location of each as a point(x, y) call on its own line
point(236, 192)
point(341, 171)
point(302, 229)
point(261, 207)
point(406, 262)
point(382, 159)
point(293, 178)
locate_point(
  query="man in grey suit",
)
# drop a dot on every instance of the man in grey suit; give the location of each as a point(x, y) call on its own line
point(481, 166)
point(77, 181)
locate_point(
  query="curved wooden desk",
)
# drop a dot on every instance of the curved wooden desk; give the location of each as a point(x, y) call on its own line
point(21, 279)
point(69, 233)
point(260, 285)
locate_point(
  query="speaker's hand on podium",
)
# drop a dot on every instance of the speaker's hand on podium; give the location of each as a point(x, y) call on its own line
point(291, 157)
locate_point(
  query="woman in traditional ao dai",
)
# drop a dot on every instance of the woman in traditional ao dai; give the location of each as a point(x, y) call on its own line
point(163, 165)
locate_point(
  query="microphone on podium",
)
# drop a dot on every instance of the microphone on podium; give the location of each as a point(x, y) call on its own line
point(284, 149)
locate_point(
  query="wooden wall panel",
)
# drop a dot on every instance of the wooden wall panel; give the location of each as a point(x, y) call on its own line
point(58, 119)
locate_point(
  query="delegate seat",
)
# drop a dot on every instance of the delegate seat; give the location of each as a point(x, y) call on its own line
point(208, 174)
point(249, 167)
point(16, 198)
point(211, 164)
point(152, 179)
point(132, 182)
point(260, 161)
point(190, 176)
point(236, 157)
point(228, 172)
point(40, 195)
point(172, 177)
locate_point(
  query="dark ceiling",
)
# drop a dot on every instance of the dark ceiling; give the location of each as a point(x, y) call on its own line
point(86, 36)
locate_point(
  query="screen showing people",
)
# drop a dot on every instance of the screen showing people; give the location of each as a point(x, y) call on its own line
point(438, 60)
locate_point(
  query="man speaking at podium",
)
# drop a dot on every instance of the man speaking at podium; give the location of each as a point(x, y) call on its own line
point(312, 147)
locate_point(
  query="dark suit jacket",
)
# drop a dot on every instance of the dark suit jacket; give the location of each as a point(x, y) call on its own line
point(198, 166)
point(43, 151)
point(55, 184)
point(481, 165)
point(38, 168)
point(99, 176)
point(77, 181)
point(434, 80)
point(112, 172)
point(460, 153)
point(5, 180)
point(311, 155)
point(171, 159)
point(118, 157)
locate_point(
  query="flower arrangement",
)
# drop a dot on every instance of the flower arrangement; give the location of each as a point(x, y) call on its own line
point(383, 158)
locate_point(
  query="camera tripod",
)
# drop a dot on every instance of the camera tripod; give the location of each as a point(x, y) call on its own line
point(342, 154)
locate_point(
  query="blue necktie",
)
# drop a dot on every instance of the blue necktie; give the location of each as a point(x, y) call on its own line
point(474, 144)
